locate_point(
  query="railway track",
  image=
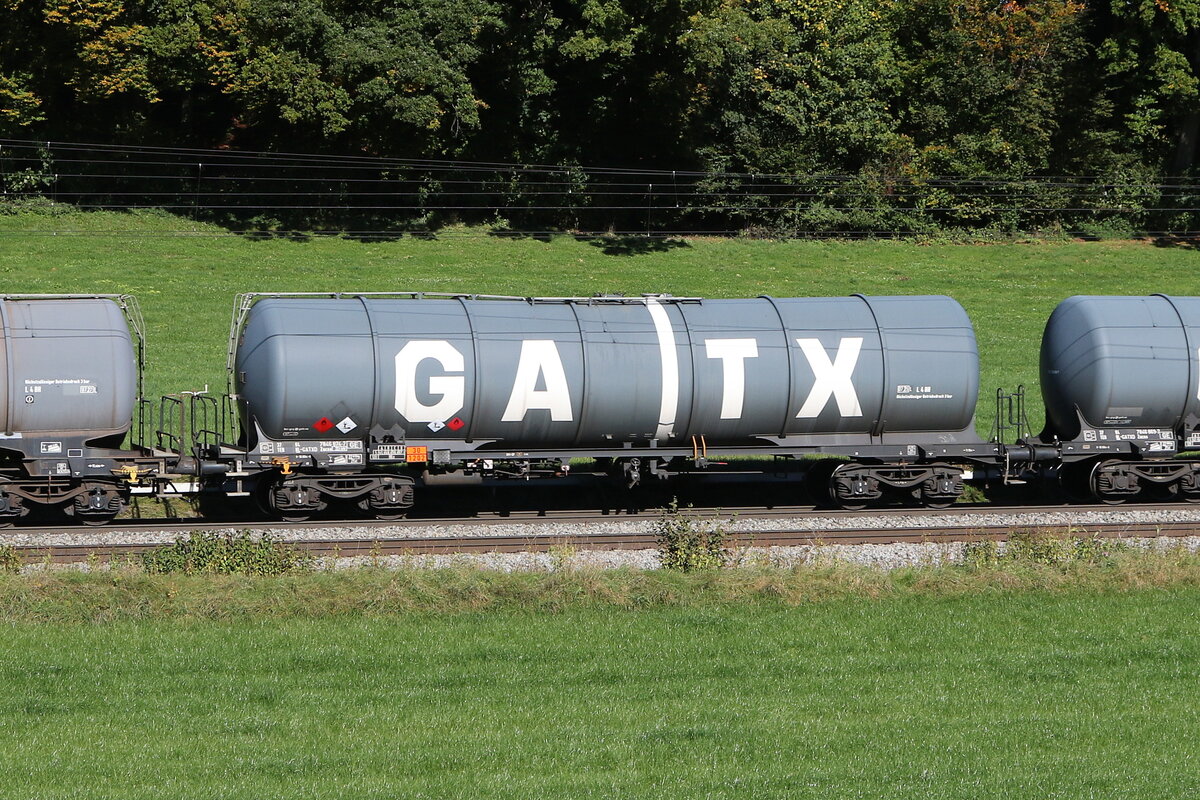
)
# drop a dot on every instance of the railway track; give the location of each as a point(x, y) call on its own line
point(582, 516)
point(370, 538)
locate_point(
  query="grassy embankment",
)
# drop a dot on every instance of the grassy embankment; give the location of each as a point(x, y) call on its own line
point(1071, 694)
point(186, 284)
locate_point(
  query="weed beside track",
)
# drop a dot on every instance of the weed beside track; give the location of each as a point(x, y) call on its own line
point(127, 591)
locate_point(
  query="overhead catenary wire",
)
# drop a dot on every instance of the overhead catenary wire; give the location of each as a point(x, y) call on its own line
point(311, 191)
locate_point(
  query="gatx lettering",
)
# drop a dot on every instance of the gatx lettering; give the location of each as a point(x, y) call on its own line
point(831, 377)
point(540, 364)
point(733, 354)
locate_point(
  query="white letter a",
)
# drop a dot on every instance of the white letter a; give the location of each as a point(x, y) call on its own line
point(539, 357)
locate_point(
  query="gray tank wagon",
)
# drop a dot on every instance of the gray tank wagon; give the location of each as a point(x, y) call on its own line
point(367, 398)
point(462, 387)
point(70, 378)
point(1121, 382)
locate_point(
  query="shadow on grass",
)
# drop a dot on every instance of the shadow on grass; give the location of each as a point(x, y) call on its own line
point(633, 245)
point(610, 244)
point(353, 236)
point(1185, 241)
point(275, 236)
point(536, 236)
point(388, 236)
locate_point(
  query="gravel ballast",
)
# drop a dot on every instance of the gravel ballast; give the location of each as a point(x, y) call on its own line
point(885, 556)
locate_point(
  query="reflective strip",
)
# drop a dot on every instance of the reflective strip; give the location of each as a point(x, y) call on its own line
point(670, 368)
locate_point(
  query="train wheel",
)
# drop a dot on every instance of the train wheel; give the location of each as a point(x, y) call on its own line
point(98, 506)
point(383, 514)
point(1189, 486)
point(1109, 487)
point(288, 501)
point(388, 502)
point(943, 488)
point(11, 507)
point(852, 487)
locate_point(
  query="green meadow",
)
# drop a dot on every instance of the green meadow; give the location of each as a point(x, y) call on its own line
point(187, 275)
point(1017, 695)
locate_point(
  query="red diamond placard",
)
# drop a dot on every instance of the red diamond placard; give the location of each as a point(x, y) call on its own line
point(323, 424)
point(455, 424)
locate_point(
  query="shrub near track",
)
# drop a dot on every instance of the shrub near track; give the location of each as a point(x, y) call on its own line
point(204, 552)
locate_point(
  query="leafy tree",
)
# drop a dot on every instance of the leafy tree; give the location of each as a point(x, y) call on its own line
point(985, 85)
point(389, 77)
point(792, 86)
point(58, 59)
point(1149, 58)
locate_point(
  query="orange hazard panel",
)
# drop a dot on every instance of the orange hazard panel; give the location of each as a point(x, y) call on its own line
point(416, 454)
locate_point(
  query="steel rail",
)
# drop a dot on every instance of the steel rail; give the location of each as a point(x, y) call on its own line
point(131, 526)
point(540, 543)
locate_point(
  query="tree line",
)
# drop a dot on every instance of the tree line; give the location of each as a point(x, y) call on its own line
point(894, 104)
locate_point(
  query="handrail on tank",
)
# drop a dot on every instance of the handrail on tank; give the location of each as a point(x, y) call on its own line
point(245, 301)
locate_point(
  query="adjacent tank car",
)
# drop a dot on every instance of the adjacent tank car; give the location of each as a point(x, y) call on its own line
point(1121, 380)
point(70, 379)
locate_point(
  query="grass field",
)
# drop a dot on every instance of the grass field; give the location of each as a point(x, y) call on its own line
point(1005, 695)
point(1040, 684)
point(186, 283)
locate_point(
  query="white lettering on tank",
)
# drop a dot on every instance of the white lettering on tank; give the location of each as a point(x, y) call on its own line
point(539, 358)
point(451, 388)
point(733, 354)
point(670, 368)
point(831, 377)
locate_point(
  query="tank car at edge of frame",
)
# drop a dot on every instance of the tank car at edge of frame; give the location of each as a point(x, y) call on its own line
point(70, 370)
point(1120, 378)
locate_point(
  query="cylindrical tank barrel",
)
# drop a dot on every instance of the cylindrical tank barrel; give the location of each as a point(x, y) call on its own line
point(605, 371)
point(67, 365)
point(1122, 361)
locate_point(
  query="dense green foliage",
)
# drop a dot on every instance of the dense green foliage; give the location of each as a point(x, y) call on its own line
point(687, 541)
point(204, 552)
point(894, 95)
point(991, 695)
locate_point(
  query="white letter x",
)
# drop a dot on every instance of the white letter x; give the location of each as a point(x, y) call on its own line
point(831, 378)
